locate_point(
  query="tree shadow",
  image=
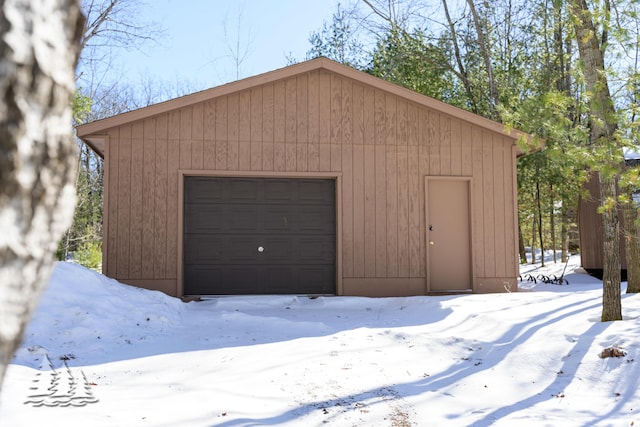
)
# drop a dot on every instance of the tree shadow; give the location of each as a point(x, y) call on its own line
point(626, 392)
point(515, 336)
point(556, 388)
point(270, 319)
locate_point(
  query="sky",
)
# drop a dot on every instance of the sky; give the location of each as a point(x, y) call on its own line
point(195, 48)
point(101, 353)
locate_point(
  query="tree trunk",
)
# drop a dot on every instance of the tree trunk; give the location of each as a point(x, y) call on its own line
point(563, 85)
point(603, 135)
point(611, 298)
point(539, 214)
point(486, 56)
point(564, 231)
point(533, 240)
point(521, 249)
point(552, 226)
point(631, 246)
point(38, 53)
point(462, 69)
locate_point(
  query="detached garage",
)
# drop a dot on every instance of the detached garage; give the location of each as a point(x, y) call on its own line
point(312, 179)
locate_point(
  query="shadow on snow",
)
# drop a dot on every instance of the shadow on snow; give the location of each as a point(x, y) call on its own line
point(516, 335)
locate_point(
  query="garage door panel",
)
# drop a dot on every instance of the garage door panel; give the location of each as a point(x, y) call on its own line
point(284, 279)
point(277, 250)
point(315, 251)
point(293, 221)
point(202, 190)
point(227, 280)
point(244, 219)
point(279, 279)
point(197, 249)
point(245, 249)
point(318, 219)
point(278, 190)
point(278, 219)
point(240, 250)
point(200, 279)
point(243, 189)
point(243, 280)
point(317, 280)
point(297, 219)
point(226, 249)
point(300, 280)
point(204, 218)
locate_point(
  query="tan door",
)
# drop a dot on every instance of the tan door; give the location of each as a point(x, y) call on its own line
point(448, 235)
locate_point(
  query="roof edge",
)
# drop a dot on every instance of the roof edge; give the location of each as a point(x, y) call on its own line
point(424, 100)
point(99, 126)
point(194, 98)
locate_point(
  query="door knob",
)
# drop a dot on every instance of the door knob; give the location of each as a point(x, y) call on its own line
point(431, 242)
point(260, 249)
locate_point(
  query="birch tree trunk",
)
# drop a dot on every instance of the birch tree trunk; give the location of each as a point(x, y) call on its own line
point(603, 129)
point(39, 42)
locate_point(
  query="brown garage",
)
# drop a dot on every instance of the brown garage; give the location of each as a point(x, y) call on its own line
point(312, 179)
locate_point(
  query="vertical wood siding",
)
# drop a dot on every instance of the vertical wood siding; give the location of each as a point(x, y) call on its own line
point(591, 228)
point(161, 186)
point(382, 145)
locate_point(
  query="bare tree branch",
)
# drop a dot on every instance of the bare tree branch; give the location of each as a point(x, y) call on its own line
point(462, 74)
point(113, 24)
point(480, 29)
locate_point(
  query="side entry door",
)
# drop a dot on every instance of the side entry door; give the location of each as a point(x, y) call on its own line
point(448, 216)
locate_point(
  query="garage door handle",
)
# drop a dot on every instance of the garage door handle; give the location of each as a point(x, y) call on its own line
point(260, 249)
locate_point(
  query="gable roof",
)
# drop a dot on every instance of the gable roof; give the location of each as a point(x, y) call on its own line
point(93, 133)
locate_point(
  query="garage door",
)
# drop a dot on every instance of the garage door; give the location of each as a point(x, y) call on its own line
point(259, 236)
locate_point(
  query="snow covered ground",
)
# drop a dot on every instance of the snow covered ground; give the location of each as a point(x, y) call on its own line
point(100, 353)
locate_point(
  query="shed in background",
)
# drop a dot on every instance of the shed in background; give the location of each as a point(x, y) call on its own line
point(591, 227)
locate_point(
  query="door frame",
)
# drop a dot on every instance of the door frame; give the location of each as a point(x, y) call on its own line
point(182, 173)
point(469, 181)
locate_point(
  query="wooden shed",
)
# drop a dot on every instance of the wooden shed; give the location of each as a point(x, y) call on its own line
point(311, 179)
point(591, 228)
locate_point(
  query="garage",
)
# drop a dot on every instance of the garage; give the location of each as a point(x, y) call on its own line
point(247, 236)
point(312, 179)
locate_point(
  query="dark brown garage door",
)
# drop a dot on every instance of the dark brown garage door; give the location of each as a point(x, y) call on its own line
point(259, 236)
